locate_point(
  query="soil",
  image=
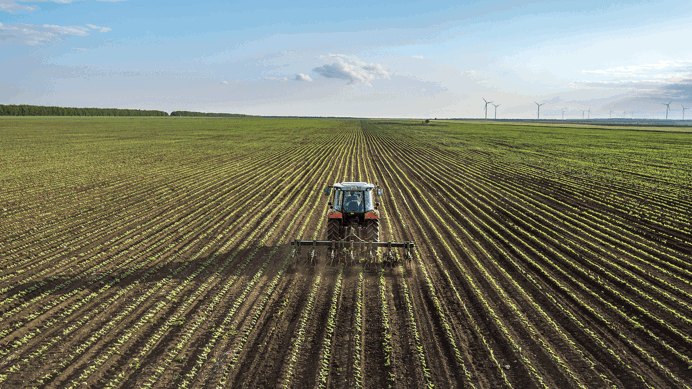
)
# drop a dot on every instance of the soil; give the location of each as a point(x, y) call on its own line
point(519, 278)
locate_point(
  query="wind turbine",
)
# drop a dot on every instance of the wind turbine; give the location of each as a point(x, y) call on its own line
point(496, 110)
point(683, 111)
point(589, 111)
point(486, 107)
point(667, 108)
point(563, 114)
point(582, 114)
point(611, 114)
point(539, 109)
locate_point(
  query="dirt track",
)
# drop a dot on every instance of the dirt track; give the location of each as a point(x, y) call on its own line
point(521, 278)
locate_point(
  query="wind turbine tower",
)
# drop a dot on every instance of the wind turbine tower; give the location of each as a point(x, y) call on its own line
point(667, 108)
point(563, 114)
point(539, 109)
point(486, 107)
point(683, 112)
point(582, 114)
point(611, 114)
point(496, 110)
point(589, 111)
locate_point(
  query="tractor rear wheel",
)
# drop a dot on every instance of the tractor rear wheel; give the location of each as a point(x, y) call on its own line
point(372, 230)
point(334, 229)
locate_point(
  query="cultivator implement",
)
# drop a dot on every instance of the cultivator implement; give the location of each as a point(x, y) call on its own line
point(355, 251)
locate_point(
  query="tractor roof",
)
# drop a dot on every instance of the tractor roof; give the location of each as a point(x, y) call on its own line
point(353, 186)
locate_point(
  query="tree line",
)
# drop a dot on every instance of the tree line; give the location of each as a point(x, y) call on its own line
point(38, 110)
point(205, 114)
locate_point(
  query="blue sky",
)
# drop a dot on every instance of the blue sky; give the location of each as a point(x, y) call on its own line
point(361, 58)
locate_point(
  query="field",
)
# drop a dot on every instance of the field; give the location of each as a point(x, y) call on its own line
point(153, 252)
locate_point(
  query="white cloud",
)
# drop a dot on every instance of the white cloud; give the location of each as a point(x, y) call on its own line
point(417, 56)
point(12, 7)
point(351, 69)
point(37, 34)
point(62, 30)
point(276, 79)
point(101, 29)
point(224, 82)
point(666, 79)
point(664, 69)
point(302, 77)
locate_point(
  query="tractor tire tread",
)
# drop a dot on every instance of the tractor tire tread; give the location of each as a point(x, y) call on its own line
point(333, 229)
point(373, 230)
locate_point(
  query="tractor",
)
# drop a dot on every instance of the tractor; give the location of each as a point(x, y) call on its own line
point(353, 226)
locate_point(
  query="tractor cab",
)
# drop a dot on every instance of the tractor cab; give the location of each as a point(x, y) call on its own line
point(352, 197)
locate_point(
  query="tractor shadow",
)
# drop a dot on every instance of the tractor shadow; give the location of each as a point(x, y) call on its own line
point(140, 273)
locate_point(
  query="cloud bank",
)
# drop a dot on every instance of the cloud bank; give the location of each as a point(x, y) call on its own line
point(37, 34)
point(12, 6)
point(351, 69)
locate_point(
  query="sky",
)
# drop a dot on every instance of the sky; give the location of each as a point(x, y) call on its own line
point(415, 59)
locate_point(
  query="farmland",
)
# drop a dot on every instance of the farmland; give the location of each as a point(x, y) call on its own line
point(153, 252)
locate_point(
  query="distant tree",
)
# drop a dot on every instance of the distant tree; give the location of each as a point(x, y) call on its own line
point(427, 121)
point(38, 110)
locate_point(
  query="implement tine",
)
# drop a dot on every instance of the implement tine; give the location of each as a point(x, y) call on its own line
point(408, 255)
point(332, 250)
point(312, 255)
point(390, 256)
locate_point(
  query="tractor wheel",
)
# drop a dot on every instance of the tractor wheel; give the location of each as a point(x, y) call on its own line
point(334, 229)
point(372, 231)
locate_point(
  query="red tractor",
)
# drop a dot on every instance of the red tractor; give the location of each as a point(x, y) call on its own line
point(353, 225)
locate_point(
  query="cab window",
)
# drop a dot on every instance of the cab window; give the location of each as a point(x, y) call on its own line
point(368, 201)
point(338, 196)
point(353, 201)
